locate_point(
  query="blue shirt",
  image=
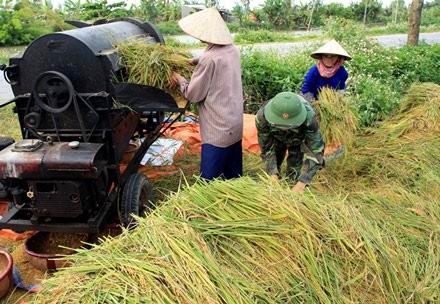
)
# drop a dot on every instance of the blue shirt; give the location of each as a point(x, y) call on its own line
point(313, 82)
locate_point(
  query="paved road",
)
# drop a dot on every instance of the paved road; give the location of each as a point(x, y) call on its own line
point(5, 90)
point(397, 40)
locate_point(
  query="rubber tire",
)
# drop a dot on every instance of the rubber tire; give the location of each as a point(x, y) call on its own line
point(137, 197)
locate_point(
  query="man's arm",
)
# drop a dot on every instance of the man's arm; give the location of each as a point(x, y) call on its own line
point(313, 154)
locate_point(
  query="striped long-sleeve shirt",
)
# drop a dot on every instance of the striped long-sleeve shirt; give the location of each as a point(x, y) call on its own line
point(216, 87)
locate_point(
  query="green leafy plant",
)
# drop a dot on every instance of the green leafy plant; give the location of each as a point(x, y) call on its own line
point(251, 36)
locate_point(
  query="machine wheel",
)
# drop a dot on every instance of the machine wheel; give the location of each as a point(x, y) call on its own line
point(137, 197)
point(58, 89)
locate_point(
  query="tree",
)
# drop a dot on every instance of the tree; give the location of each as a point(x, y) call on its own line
point(338, 10)
point(278, 12)
point(397, 11)
point(415, 15)
point(365, 12)
point(368, 11)
point(246, 5)
point(240, 13)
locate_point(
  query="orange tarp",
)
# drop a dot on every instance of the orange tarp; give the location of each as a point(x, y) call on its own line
point(9, 234)
point(250, 135)
point(190, 134)
point(187, 132)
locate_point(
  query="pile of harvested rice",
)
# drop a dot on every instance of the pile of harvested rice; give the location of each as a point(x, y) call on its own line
point(404, 149)
point(153, 65)
point(368, 235)
point(216, 243)
point(338, 119)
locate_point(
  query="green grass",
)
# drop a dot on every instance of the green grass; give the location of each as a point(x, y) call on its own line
point(169, 28)
point(264, 36)
point(401, 28)
point(8, 51)
point(171, 41)
point(9, 125)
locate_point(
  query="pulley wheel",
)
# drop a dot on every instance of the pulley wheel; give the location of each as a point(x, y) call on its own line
point(58, 89)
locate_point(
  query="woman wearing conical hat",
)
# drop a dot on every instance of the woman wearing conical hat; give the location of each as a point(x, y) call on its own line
point(216, 88)
point(328, 71)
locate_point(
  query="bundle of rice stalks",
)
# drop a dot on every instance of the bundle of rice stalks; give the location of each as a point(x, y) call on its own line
point(403, 149)
point(419, 112)
point(338, 120)
point(216, 243)
point(153, 65)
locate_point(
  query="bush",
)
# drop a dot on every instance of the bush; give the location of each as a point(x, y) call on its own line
point(378, 77)
point(267, 73)
point(373, 97)
point(278, 12)
point(26, 21)
point(344, 31)
point(21, 25)
point(431, 15)
point(417, 64)
point(169, 28)
point(233, 27)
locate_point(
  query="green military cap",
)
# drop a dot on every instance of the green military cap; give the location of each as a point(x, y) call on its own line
point(286, 109)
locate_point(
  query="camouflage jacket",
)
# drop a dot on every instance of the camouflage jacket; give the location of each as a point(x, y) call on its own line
point(307, 136)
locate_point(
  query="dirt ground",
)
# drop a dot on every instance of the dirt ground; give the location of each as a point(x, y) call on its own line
point(28, 272)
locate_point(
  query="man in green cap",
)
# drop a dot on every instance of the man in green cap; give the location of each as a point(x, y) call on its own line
point(287, 123)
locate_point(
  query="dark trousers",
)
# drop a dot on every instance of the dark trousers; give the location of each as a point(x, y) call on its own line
point(294, 159)
point(221, 162)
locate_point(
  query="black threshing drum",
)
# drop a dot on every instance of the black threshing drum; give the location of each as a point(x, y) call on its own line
point(65, 174)
point(86, 55)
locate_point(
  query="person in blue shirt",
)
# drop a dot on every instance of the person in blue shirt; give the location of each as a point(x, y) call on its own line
point(328, 71)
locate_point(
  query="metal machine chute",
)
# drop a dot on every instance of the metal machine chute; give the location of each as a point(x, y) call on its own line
point(77, 121)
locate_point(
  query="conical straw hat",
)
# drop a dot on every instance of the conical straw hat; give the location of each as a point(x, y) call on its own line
point(331, 47)
point(207, 26)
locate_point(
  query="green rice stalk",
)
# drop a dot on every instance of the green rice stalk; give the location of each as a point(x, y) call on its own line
point(153, 65)
point(338, 119)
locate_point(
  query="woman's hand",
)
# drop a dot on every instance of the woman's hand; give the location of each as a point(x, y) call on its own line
point(193, 61)
point(176, 79)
